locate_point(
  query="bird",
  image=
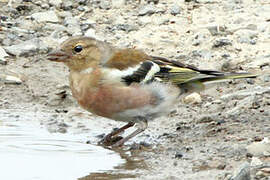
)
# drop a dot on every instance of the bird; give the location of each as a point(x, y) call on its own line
point(128, 85)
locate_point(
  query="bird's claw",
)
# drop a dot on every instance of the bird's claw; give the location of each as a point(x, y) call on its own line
point(109, 141)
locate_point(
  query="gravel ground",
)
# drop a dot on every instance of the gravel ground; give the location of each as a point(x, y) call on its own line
point(221, 133)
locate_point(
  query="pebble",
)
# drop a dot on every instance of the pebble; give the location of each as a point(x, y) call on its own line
point(62, 130)
point(55, 3)
point(261, 148)
point(266, 170)
point(255, 161)
point(206, 119)
point(243, 173)
point(152, 1)
point(216, 29)
point(194, 98)
point(204, 54)
point(147, 10)
point(67, 5)
point(73, 26)
point(266, 78)
point(178, 155)
point(105, 4)
point(222, 42)
point(262, 174)
point(3, 54)
point(118, 3)
point(8, 79)
point(175, 9)
point(246, 36)
point(126, 27)
point(91, 33)
point(83, 2)
point(26, 48)
point(48, 16)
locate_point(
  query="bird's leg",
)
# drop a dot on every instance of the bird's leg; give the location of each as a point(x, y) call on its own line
point(143, 126)
point(108, 140)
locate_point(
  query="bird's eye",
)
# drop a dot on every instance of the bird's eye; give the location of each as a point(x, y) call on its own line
point(78, 48)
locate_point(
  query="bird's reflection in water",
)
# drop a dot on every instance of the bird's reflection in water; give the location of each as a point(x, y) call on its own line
point(128, 170)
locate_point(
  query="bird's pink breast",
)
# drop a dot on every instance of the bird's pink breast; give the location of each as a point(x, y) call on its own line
point(107, 101)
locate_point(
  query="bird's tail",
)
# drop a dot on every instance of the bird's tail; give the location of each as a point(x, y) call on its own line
point(198, 83)
point(190, 78)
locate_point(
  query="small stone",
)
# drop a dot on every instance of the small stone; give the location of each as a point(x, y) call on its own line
point(259, 148)
point(266, 170)
point(67, 5)
point(126, 27)
point(105, 4)
point(45, 6)
point(217, 164)
point(178, 155)
point(216, 29)
point(90, 33)
point(221, 42)
point(194, 98)
point(243, 173)
point(48, 16)
point(82, 2)
point(246, 36)
point(55, 3)
point(73, 25)
point(81, 8)
point(260, 62)
point(261, 174)
point(266, 78)
point(8, 79)
point(62, 130)
point(152, 1)
point(147, 10)
point(195, 1)
point(255, 161)
point(118, 3)
point(206, 119)
point(26, 48)
point(3, 54)
point(175, 9)
point(145, 144)
point(205, 54)
point(62, 124)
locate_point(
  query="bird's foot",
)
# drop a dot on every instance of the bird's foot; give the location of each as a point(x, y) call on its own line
point(109, 140)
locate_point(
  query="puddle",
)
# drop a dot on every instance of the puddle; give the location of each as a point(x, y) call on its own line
point(28, 152)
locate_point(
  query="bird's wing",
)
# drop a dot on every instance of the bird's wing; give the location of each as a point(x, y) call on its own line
point(140, 68)
point(189, 77)
point(143, 73)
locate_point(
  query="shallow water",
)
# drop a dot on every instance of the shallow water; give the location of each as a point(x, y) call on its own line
point(28, 152)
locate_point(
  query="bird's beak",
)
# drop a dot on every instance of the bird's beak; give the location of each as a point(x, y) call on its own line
point(58, 56)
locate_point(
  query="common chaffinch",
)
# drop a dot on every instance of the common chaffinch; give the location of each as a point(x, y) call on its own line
point(127, 84)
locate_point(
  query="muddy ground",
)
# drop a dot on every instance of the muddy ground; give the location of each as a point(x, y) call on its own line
point(220, 134)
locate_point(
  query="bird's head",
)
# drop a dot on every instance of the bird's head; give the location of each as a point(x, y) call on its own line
point(80, 53)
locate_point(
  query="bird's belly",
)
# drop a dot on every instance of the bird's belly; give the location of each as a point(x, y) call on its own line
point(120, 104)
